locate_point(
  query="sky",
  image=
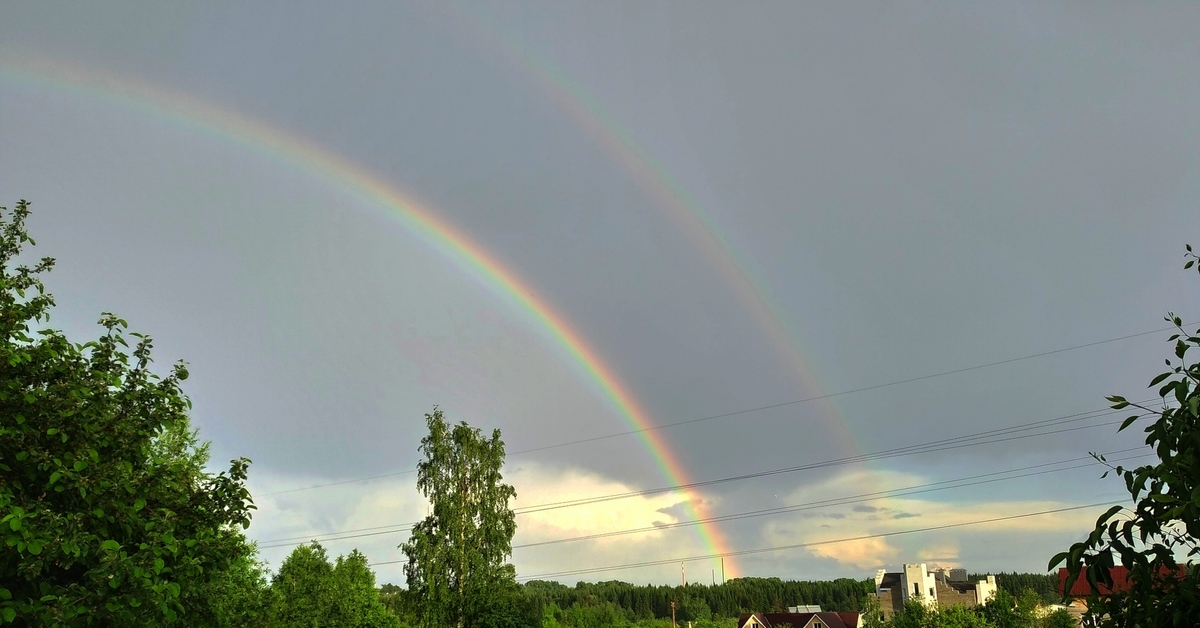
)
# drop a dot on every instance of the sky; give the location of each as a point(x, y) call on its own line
point(787, 232)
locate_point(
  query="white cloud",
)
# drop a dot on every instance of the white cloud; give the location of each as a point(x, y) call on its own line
point(385, 502)
point(897, 514)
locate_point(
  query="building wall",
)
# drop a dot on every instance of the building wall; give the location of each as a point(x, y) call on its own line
point(949, 596)
point(890, 601)
point(917, 581)
point(985, 589)
point(932, 588)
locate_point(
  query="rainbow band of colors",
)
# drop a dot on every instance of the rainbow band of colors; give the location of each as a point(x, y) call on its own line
point(678, 205)
point(368, 188)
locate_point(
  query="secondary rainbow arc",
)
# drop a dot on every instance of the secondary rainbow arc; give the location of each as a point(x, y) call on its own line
point(680, 206)
point(419, 219)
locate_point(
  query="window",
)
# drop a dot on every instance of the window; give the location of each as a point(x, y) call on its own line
point(916, 589)
point(931, 593)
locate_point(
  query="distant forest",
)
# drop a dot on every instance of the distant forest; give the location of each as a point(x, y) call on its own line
point(619, 603)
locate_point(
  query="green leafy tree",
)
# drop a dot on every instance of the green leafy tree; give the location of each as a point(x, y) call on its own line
point(309, 591)
point(915, 614)
point(1001, 611)
point(958, 617)
point(356, 601)
point(1059, 618)
point(107, 515)
point(302, 589)
point(457, 555)
point(1028, 606)
point(1159, 533)
point(237, 596)
point(871, 615)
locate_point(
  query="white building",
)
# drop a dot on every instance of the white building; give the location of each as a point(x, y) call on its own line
point(933, 588)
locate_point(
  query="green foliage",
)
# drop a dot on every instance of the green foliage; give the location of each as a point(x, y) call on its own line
point(648, 606)
point(729, 600)
point(872, 613)
point(456, 556)
point(236, 596)
point(1059, 618)
point(1045, 585)
point(1164, 523)
point(310, 591)
point(958, 617)
point(106, 513)
point(915, 614)
point(1006, 611)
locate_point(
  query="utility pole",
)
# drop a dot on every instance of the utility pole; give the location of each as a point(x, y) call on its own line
point(714, 577)
point(682, 575)
point(722, 570)
point(672, 613)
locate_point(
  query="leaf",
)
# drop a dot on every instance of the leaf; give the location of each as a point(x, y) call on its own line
point(80, 465)
point(1127, 422)
point(14, 524)
point(34, 548)
point(1154, 382)
point(139, 503)
point(110, 545)
point(9, 613)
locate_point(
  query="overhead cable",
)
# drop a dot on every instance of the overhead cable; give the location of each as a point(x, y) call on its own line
point(979, 438)
point(754, 409)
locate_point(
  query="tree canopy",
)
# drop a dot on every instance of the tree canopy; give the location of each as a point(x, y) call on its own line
point(106, 512)
point(457, 555)
point(310, 591)
point(1158, 536)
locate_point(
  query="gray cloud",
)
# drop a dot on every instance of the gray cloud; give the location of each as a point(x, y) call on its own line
point(890, 180)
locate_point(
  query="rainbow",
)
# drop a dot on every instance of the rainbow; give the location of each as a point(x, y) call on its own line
point(422, 221)
point(679, 206)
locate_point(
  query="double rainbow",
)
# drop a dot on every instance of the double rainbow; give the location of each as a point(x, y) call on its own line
point(421, 220)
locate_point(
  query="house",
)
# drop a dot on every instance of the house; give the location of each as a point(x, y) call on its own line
point(1120, 582)
point(1080, 589)
point(941, 587)
point(825, 619)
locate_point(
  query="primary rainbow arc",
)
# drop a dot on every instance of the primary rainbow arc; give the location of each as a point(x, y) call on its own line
point(418, 218)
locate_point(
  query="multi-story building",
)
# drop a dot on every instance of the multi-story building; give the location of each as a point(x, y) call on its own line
point(941, 587)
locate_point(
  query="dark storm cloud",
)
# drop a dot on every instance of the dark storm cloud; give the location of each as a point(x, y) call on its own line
point(914, 188)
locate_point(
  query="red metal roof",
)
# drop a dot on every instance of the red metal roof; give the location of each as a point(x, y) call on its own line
point(1120, 579)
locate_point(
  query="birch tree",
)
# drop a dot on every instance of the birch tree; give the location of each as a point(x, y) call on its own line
point(457, 556)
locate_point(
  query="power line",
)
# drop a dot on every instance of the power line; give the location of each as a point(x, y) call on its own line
point(978, 438)
point(778, 548)
point(844, 501)
point(931, 447)
point(973, 480)
point(754, 409)
point(801, 545)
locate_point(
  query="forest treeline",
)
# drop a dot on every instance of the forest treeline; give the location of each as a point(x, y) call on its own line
point(617, 603)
